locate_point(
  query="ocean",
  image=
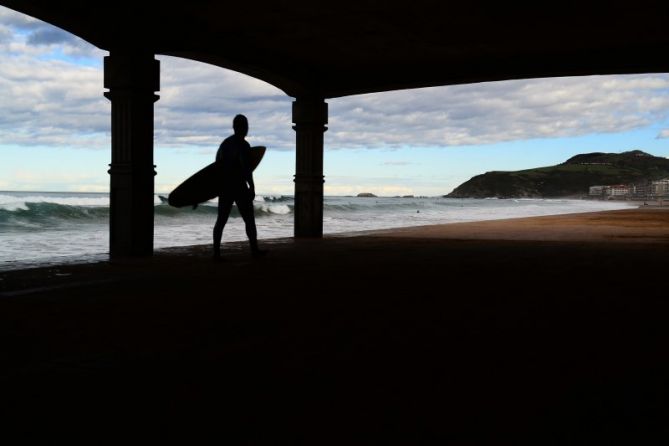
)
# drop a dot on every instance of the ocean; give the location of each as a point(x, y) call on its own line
point(42, 228)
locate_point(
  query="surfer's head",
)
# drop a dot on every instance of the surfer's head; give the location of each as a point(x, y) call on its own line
point(240, 125)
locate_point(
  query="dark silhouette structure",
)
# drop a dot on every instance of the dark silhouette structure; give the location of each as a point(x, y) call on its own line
point(237, 185)
point(314, 52)
point(372, 341)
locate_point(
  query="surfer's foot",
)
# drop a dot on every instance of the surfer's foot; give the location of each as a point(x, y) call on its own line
point(258, 253)
point(255, 251)
point(217, 254)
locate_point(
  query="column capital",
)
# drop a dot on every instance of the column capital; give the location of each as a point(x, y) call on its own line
point(131, 70)
point(310, 110)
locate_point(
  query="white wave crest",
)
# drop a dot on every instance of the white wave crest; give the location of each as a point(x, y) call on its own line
point(14, 206)
point(19, 202)
point(278, 209)
point(281, 209)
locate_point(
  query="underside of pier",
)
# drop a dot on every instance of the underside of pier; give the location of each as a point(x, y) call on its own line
point(482, 335)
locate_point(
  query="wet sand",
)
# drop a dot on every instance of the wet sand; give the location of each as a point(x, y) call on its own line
point(549, 329)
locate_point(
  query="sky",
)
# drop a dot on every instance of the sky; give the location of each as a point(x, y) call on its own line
point(55, 123)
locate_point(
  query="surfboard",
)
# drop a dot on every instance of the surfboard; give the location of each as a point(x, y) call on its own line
point(205, 184)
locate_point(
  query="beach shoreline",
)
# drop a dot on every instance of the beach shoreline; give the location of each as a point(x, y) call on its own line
point(643, 225)
point(61, 228)
point(536, 328)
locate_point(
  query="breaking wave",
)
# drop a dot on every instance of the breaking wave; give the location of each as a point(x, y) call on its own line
point(39, 211)
point(29, 215)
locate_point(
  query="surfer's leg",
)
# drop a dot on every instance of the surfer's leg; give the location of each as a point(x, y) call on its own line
point(224, 207)
point(245, 206)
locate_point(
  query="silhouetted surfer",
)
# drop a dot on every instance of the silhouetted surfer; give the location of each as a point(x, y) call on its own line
point(236, 185)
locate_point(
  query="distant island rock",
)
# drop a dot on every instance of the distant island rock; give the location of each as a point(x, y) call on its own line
point(366, 195)
point(571, 178)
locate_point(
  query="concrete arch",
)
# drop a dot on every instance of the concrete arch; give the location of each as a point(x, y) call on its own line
point(352, 47)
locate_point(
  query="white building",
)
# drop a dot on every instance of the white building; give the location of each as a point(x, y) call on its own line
point(596, 191)
point(618, 190)
point(660, 188)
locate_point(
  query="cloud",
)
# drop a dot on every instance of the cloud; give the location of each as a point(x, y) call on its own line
point(52, 103)
point(663, 134)
point(50, 36)
point(23, 35)
point(11, 18)
point(444, 116)
point(499, 111)
point(6, 34)
point(49, 96)
point(198, 101)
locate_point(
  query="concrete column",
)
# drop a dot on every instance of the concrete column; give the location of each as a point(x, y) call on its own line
point(310, 116)
point(132, 78)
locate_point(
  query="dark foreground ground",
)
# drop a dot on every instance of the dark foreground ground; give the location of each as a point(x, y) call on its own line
point(390, 338)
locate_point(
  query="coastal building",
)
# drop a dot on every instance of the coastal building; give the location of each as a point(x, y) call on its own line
point(644, 189)
point(660, 188)
point(618, 190)
point(609, 191)
point(639, 190)
point(596, 191)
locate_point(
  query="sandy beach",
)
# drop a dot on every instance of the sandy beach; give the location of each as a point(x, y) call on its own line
point(550, 329)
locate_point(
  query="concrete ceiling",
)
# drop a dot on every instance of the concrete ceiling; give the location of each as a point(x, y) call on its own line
point(344, 47)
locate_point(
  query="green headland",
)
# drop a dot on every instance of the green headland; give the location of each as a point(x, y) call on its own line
point(572, 178)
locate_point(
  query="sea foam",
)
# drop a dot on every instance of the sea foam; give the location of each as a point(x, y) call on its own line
point(35, 226)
